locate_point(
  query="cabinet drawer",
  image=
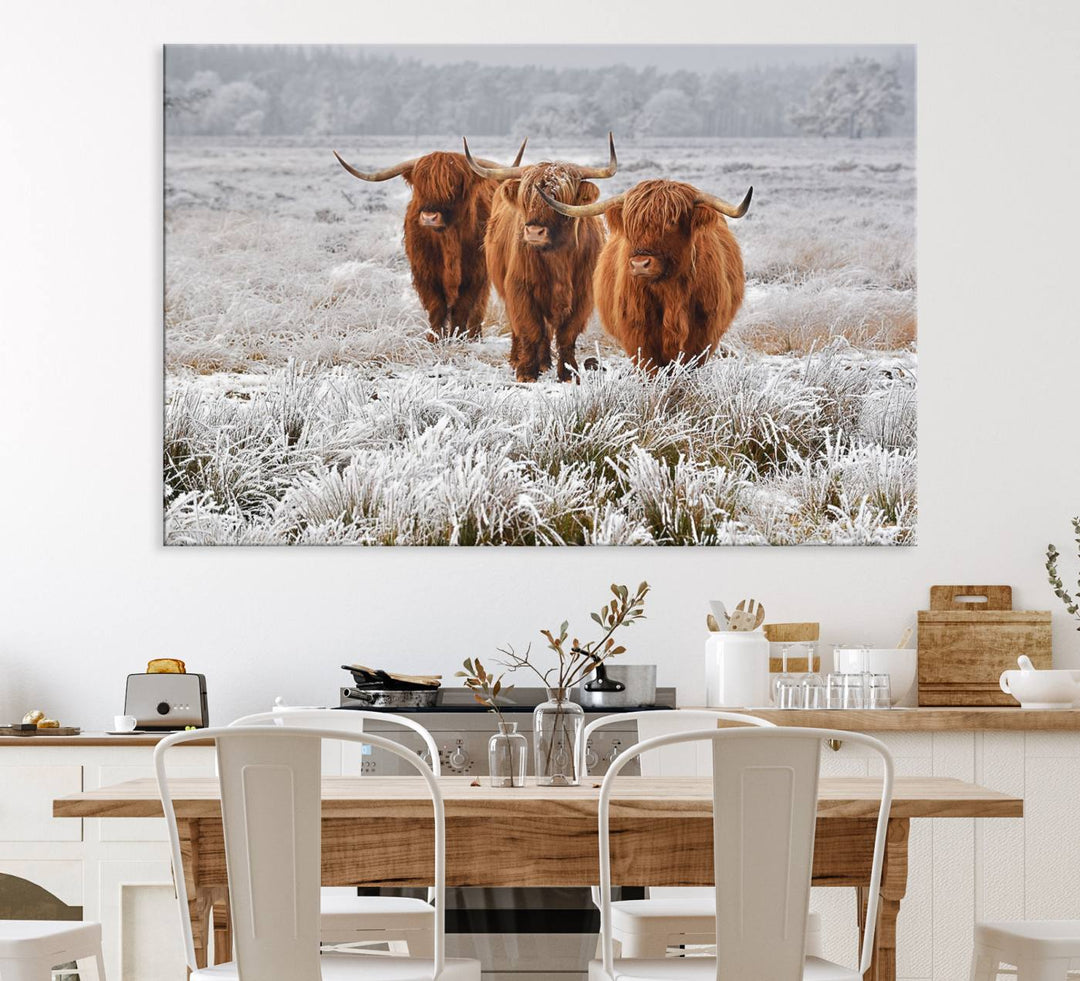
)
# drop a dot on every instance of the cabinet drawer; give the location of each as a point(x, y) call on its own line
point(26, 804)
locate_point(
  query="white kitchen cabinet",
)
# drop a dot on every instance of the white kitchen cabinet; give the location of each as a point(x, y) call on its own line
point(26, 803)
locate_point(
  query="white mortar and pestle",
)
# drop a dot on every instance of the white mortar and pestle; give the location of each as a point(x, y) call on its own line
point(1035, 689)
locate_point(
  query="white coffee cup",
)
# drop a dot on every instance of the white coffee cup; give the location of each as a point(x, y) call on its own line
point(124, 723)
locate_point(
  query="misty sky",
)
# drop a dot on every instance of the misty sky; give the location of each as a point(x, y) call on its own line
point(666, 57)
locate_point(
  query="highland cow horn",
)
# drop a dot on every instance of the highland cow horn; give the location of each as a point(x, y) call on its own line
point(377, 175)
point(609, 170)
point(520, 153)
point(579, 210)
point(495, 173)
point(722, 206)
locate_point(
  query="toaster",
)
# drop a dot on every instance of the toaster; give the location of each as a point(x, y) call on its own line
point(164, 702)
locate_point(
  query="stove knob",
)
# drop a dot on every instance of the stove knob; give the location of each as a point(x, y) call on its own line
point(591, 757)
point(458, 758)
point(614, 752)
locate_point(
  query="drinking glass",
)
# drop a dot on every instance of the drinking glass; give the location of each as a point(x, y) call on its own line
point(788, 692)
point(813, 691)
point(853, 691)
point(785, 676)
point(879, 694)
point(834, 690)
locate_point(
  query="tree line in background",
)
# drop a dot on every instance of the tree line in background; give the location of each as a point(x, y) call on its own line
point(248, 90)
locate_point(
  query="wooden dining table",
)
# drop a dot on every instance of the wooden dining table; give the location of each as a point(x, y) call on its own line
point(377, 831)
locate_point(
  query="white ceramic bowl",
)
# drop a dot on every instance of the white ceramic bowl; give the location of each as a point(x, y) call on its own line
point(900, 664)
point(1042, 689)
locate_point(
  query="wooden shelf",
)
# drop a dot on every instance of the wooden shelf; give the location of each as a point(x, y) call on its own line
point(923, 719)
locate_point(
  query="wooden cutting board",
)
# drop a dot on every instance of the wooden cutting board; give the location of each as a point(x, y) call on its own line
point(56, 731)
point(969, 636)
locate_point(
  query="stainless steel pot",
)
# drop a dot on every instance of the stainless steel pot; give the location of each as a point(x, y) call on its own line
point(619, 686)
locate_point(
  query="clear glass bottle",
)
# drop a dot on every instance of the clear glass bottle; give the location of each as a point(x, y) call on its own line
point(557, 725)
point(508, 756)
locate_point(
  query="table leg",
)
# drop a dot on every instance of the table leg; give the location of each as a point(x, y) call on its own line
point(893, 889)
point(222, 921)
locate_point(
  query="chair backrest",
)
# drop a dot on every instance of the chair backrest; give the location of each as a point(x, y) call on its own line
point(677, 761)
point(765, 791)
point(347, 720)
point(271, 809)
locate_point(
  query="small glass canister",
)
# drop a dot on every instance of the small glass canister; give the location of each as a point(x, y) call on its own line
point(508, 755)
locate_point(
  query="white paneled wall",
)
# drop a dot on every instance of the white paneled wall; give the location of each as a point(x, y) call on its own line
point(961, 869)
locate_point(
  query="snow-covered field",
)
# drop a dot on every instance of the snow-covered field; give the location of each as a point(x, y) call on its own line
point(305, 406)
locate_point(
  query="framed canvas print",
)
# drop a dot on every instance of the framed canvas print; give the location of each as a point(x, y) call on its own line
point(577, 295)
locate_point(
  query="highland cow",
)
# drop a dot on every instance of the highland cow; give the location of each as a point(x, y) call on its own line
point(670, 278)
point(444, 237)
point(542, 262)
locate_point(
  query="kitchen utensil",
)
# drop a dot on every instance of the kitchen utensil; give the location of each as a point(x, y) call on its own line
point(364, 675)
point(369, 697)
point(968, 637)
point(1042, 689)
point(167, 702)
point(737, 669)
point(619, 686)
point(719, 611)
point(712, 623)
point(905, 637)
point(901, 665)
point(747, 617)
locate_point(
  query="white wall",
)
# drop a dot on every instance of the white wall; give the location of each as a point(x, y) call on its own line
point(88, 594)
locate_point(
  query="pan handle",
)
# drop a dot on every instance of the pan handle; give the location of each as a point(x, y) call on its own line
point(602, 683)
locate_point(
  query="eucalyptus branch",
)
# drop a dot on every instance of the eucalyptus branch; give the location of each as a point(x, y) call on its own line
point(576, 659)
point(1070, 601)
point(485, 687)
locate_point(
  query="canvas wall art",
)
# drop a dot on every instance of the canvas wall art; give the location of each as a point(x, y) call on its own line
point(573, 295)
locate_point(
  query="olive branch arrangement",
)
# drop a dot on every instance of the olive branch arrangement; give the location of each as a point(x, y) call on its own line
point(485, 687)
point(578, 660)
point(1071, 601)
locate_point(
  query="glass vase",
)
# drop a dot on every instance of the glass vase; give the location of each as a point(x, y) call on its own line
point(508, 755)
point(557, 725)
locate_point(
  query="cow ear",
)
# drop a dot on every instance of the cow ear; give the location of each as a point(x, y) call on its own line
point(614, 217)
point(587, 193)
point(511, 188)
point(704, 217)
point(407, 175)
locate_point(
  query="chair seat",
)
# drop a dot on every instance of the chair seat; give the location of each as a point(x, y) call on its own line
point(367, 967)
point(46, 938)
point(704, 969)
point(376, 912)
point(1031, 939)
point(694, 915)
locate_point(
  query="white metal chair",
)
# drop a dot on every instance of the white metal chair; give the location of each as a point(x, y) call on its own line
point(765, 790)
point(677, 916)
point(1041, 950)
point(346, 917)
point(271, 810)
point(30, 949)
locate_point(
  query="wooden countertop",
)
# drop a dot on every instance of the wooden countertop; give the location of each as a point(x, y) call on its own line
point(922, 719)
point(655, 797)
point(91, 739)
